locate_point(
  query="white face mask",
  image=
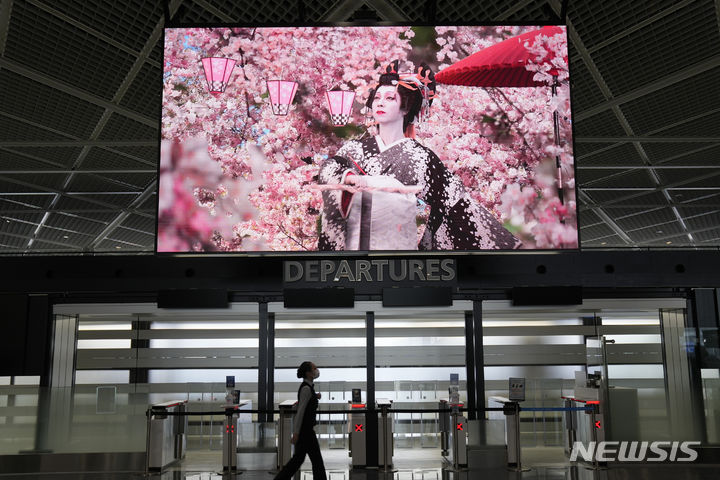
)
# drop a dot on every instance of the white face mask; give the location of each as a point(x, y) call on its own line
point(316, 373)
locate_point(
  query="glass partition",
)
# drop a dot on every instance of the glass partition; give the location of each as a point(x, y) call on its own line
point(335, 340)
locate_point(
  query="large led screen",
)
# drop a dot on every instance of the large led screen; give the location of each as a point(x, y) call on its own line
point(366, 138)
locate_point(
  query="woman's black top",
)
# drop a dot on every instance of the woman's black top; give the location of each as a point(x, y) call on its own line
point(308, 420)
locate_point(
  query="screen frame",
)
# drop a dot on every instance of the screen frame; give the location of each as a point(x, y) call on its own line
point(367, 253)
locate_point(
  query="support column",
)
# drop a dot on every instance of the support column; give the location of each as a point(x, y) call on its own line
point(55, 402)
point(371, 424)
point(470, 366)
point(681, 377)
point(263, 322)
point(479, 358)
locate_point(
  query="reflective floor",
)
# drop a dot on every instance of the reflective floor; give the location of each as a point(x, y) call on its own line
point(411, 464)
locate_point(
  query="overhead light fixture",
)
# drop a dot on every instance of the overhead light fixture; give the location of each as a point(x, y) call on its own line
point(603, 243)
point(668, 242)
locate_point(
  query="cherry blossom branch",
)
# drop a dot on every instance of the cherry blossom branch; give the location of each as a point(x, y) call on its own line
point(406, 189)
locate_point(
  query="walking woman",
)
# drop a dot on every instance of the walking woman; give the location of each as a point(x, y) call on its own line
point(304, 437)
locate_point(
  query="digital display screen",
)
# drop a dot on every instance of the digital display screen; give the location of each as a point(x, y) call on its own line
point(356, 138)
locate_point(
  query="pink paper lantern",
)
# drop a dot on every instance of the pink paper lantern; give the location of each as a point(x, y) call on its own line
point(340, 103)
point(281, 93)
point(217, 73)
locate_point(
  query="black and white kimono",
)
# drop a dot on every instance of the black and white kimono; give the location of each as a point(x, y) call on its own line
point(387, 221)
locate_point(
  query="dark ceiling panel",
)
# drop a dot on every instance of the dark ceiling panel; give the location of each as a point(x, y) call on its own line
point(585, 92)
point(96, 183)
point(132, 236)
point(136, 222)
point(626, 179)
point(665, 46)
point(706, 125)
point(598, 21)
point(104, 159)
point(676, 102)
point(710, 237)
point(11, 244)
point(679, 175)
point(53, 182)
point(641, 220)
point(596, 232)
point(92, 225)
point(685, 153)
point(129, 22)
point(603, 124)
point(65, 52)
point(44, 105)
point(708, 219)
point(19, 223)
point(123, 128)
point(63, 157)
point(146, 88)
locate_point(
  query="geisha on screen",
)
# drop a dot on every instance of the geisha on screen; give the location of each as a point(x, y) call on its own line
point(366, 139)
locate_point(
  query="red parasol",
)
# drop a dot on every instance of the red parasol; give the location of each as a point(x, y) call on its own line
point(499, 65)
point(503, 65)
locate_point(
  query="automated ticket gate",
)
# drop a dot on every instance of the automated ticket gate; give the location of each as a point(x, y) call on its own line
point(285, 428)
point(358, 434)
point(166, 436)
point(453, 434)
point(230, 436)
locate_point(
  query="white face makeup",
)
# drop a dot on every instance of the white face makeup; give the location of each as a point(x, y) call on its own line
point(386, 105)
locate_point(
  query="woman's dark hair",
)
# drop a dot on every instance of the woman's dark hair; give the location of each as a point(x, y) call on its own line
point(303, 369)
point(410, 99)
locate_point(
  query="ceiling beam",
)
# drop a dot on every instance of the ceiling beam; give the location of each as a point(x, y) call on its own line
point(51, 242)
point(658, 130)
point(645, 139)
point(214, 10)
point(387, 11)
point(79, 143)
point(340, 11)
point(90, 30)
point(5, 9)
point(638, 26)
point(606, 218)
point(145, 212)
point(76, 92)
point(640, 205)
point(597, 76)
point(77, 195)
point(660, 83)
point(517, 6)
point(79, 171)
point(645, 167)
point(147, 193)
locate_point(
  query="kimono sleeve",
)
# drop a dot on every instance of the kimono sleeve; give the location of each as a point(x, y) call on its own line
point(457, 221)
point(334, 170)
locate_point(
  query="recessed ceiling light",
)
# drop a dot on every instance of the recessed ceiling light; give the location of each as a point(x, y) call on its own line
point(658, 231)
point(65, 236)
point(118, 246)
point(668, 243)
point(603, 243)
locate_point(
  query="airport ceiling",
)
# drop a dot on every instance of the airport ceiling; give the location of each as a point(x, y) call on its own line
point(79, 106)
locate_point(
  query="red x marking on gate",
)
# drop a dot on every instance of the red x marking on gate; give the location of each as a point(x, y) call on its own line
point(460, 427)
point(597, 424)
point(358, 427)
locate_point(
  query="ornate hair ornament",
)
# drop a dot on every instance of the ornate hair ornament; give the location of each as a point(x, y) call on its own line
point(424, 80)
